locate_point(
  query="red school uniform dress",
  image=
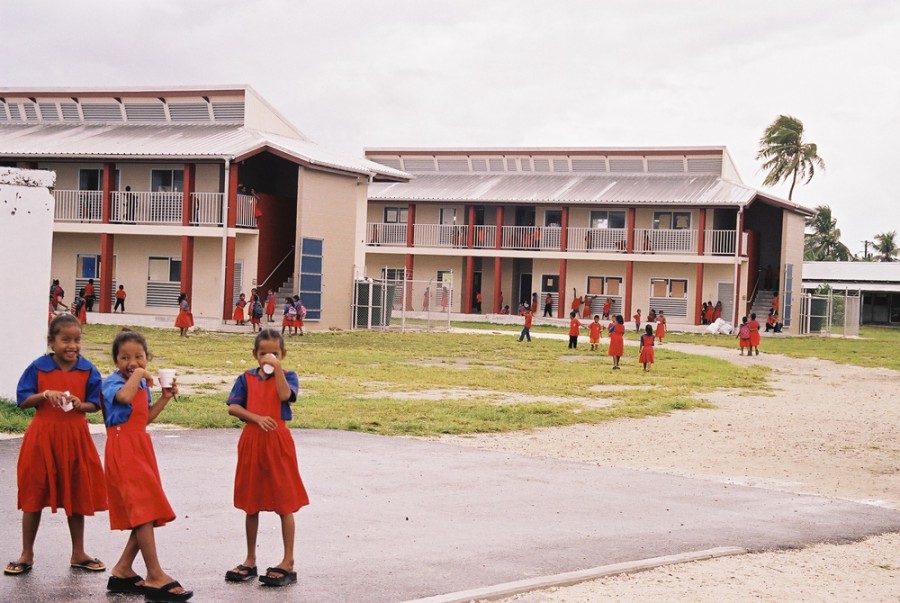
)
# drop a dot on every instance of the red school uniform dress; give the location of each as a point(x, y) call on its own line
point(574, 327)
point(270, 304)
point(647, 354)
point(267, 477)
point(58, 462)
point(754, 333)
point(660, 326)
point(133, 484)
point(238, 315)
point(185, 318)
point(290, 316)
point(596, 330)
point(616, 339)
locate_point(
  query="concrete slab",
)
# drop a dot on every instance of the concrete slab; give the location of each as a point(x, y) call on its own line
point(395, 519)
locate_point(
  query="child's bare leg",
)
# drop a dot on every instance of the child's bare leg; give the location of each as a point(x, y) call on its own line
point(124, 567)
point(287, 535)
point(76, 530)
point(251, 526)
point(31, 521)
point(156, 577)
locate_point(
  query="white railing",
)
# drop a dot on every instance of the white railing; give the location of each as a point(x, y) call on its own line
point(485, 237)
point(78, 206)
point(246, 211)
point(386, 233)
point(522, 237)
point(719, 242)
point(146, 208)
point(440, 235)
point(649, 240)
point(206, 209)
point(597, 239)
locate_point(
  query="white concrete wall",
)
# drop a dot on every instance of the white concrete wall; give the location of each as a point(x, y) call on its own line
point(26, 240)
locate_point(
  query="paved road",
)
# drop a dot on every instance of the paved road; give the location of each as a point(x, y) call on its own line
point(394, 519)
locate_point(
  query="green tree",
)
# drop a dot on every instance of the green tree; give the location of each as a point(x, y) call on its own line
point(823, 241)
point(886, 246)
point(786, 154)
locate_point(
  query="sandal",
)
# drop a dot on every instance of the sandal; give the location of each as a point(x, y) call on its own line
point(285, 577)
point(127, 586)
point(241, 573)
point(17, 568)
point(163, 594)
point(90, 565)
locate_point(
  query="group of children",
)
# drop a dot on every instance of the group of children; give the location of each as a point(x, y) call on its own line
point(256, 308)
point(59, 466)
point(616, 330)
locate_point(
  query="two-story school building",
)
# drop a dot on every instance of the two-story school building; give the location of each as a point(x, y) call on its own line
point(207, 191)
point(660, 228)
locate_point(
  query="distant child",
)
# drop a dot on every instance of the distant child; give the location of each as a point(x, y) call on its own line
point(79, 307)
point(616, 340)
point(526, 330)
point(596, 330)
point(185, 319)
point(120, 299)
point(238, 316)
point(754, 333)
point(90, 295)
point(301, 315)
point(586, 309)
point(58, 463)
point(267, 476)
point(290, 316)
point(136, 498)
point(574, 326)
point(548, 306)
point(647, 357)
point(637, 321)
point(256, 311)
point(661, 326)
point(743, 335)
point(270, 306)
point(607, 308)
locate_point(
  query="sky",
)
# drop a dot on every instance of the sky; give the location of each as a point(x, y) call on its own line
point(504, 73)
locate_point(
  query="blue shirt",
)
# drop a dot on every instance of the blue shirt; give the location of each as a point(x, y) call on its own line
point(238, 393)
point(115, 412)
point(28, 382)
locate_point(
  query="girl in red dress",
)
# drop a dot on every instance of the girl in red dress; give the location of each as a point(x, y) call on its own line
point(661, 326)
point(616, 340)
point(267, 476)
point(58, 463)
point(238, 315)
point(136, 498)
point(290, 316)
point(185, 319)
point(270, 306)
point(596, 331)
point(647, 356)
point(754, 333)
point(743, 335)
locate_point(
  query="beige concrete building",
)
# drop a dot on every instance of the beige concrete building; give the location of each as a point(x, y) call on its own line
point(207, 191)
point(660, 228)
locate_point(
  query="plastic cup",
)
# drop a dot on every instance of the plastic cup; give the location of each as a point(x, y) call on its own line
point(268, 369)
point(67, 405)
point(166, 377)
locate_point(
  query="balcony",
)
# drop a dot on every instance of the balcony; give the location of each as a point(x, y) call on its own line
point(548, 238)
point(150, 208)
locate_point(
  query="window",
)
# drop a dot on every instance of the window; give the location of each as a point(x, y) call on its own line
point(552, 217)
point(607, 219)
point(671, 288)
point(445, 277)
point(671, 220)
point(311, 271)
point(395, 215)
point(166, 181)
point(164, 270)
point(604, 285)
point(87, 266)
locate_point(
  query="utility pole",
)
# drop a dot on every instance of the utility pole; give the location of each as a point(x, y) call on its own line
point(866, 252)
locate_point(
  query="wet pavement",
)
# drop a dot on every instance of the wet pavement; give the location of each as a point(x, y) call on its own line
point(394, 519)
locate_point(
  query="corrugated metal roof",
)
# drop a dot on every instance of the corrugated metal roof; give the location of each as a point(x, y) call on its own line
point(654, 189)
point(112, 141)
point(852, 272)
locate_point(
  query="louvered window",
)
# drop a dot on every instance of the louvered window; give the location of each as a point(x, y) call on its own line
point(496, 165)
point(97, 112)
point(147, 112)
point(418, 164)
point(453, 165)
point(479, 165)
point(3, 115)
point(48, 111)
point(70, 112)
point(561, 165)
point(189, 112)
point(228, 111)
point(391, 162)
point(525, 164)
point(14, 113)
point(510, 164)
point(622, 165)
point(541, 165)
point(668, 166)
point(589, 164)
point(30, 111)
point(704, 165)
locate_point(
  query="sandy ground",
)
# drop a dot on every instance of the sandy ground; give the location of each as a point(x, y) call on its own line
point(831, 430)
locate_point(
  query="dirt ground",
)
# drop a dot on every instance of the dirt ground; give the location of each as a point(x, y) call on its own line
point(831, 430)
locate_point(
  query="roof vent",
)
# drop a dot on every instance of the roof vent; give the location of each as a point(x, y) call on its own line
point(561, 165)
point(623, 165)
point(228, 111)
point(30, 111)
point(541, 165)
point(148, 112)
point(453, 165)
point(525, 164)
point(15, 114)
point(411, 164)
point(101, 112)
point(70, 112)
point(704, 165)
point(510, 164)
point(479, 165)
point(592, 164)
point(668, 166)
point(189, 112)
point(48, 111)
point(391, 162)
point(495, 164)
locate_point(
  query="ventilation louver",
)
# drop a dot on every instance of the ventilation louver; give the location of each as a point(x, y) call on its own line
point(189, 112)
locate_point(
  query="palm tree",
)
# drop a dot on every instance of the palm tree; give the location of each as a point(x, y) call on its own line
point(886, 246)
point(786, 154)
point(823, 244)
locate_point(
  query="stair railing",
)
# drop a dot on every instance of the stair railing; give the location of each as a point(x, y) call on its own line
point(277, 266)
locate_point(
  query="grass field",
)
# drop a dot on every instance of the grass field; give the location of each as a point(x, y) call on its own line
point(426, 383)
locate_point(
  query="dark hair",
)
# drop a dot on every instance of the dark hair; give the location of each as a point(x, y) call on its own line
point(753, 316)
point(289, 299)
point(596, 316)
point(126, 335)
point(268, 335)
point(572, 314)
point(182, 296)
point(619, 319)
point(649, 330)
point(60, 322)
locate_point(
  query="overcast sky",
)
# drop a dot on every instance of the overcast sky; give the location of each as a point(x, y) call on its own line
point(462, 73)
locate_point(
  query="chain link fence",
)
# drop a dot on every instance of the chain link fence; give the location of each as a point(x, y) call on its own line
point(397, 304)
point(830, 313)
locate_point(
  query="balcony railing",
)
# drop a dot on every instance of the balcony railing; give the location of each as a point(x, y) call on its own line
point(131, 207)
point(547, 238)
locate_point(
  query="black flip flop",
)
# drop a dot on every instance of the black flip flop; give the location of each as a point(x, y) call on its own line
point(285, 578)
point(18, 568)
point(89, 565)
point(163, 594)
point(240, 575)
point(127, 586)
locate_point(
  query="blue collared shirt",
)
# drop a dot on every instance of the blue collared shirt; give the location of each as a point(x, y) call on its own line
point(238, 393)
point(115, 412)
point(28, 382)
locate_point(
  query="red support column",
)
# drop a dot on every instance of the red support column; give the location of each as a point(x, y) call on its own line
point(470, 278)
point(410, 265)
point(498, 239)
point(411, 225)
point(187, 243)
point(232, 197)
point(230, 242)
point(701, 233)
point(498, 292)
point(106, 271)
point(470, 223)
point(629, 240)
point(698, 296)
point(109, 182)
point(629, 288)
point(561, 309)
point(190, 179)
point(564, 230)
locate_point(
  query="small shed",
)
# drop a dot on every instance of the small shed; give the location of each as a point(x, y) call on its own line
point(877, 282)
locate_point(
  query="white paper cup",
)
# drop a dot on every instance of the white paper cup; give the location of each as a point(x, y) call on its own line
point(67, 404)
point(268, 369)
point(166, 377)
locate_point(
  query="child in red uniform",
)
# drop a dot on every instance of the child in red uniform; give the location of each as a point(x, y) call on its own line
point(616, 340)
point(637, 321)
point(290, 316)
point(267, 477)
point(647, 357)
point(301, 315)
point(185, 319)
point(607, 307)
point(256, 311)
point(58, 463)
point(137, 501)
point(270, 306)
point(661, 326)
point(574, 326)
point(596, 330)
point(529, 317)
point(79, 307)
point(754, 333)
point(238, 316)
point(743, 335)
point(120, 299)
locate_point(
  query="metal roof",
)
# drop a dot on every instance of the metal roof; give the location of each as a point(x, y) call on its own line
point(852, 272)
point(681, 189)
point(185, 142)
